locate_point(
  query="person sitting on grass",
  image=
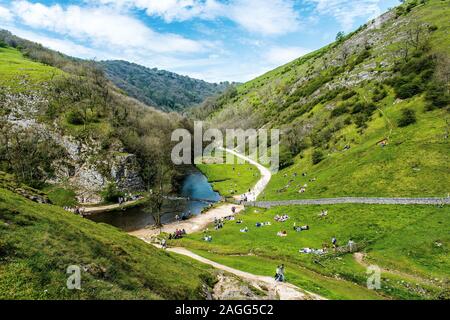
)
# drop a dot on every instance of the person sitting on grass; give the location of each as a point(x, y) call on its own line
point(239, 221)
point(244, 230)
point(323, 213)
point(282, 233)
point(207, 238)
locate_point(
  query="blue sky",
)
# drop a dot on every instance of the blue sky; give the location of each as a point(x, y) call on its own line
point(214, 40)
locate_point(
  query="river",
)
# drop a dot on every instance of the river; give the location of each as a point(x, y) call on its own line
point(194, 186)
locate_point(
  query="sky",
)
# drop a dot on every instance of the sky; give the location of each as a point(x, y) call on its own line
point(213, 40)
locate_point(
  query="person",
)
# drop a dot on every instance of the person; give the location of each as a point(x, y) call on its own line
point(351, 245)
point(164, 243)
point(233, 209)
point(334, 242)
point(177, 217)
point(282, 273)
point(244, 230)
point(277, 273)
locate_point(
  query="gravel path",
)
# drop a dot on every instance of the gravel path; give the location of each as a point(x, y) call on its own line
point(427, 201)
point(259, 187)
point(284, 290)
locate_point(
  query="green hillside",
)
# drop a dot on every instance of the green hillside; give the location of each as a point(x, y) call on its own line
point(38, 242)
point(388, 80)
point(409, 244)
point(161, 89)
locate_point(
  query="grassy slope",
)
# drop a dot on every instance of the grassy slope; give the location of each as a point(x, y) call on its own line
point(382, 230)
point(415, 163)
point(14, 68)
point(38, 243)
point(228, 179)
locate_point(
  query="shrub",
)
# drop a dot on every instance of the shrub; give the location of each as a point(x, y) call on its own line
point(408, 90)
point(75, 117)
point(437, 96)
point(336, 112)
point(317, 156)
point(3, 44)
point(379, 95)
point(111, 193)
point(408, 117)
point(348, 94)
point(286, 157)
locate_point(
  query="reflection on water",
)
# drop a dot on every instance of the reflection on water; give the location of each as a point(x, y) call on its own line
point(194, 186)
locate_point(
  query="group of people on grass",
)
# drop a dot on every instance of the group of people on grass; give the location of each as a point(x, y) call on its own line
point(350, 247)
point(282, 218)
point(128, 197)
point(77, 210)
point(184, 216)
point(178, 234)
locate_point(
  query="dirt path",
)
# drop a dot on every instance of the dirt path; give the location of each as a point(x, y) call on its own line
point(194, 224)
point(284, 290)
point(259, 187)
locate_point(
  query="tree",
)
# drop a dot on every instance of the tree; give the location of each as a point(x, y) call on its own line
point(408, 117)
point(340, 36)
point(317, 156)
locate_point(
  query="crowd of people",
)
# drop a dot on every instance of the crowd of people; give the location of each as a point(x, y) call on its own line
point(77, 210)
point(178, 234)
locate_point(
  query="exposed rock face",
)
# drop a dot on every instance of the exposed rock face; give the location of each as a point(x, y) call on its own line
point(125, 173)
point(87, 167)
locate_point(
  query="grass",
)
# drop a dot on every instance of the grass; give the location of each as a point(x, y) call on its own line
point(61, 196)
point(230, 179)
point(14, 68)
point(38, 242)
point(393, 237)
point(413, 164)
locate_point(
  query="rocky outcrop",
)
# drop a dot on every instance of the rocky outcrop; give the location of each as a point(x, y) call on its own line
point(87, 167)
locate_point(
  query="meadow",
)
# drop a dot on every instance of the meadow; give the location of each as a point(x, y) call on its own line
point(412, 242)
point(230, 179)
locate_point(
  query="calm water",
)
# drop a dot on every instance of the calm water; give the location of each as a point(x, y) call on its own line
point(194, 186)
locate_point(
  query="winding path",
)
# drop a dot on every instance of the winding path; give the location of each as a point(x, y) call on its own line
point(284, 290)
point(259, 187)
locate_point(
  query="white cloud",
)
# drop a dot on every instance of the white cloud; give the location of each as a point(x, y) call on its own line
point(65, 46)
point(266, 17)
point(101, 26)
point(5, 15)
point(263, 17)
point(346, 11)
point(281, 55)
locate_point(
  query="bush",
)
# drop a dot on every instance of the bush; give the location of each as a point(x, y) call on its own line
point(408, 117)
point(336, 112)
point(317, 156)
point(3, 44)
point(379, 95)
point(111, 193)
point(286, 157)
point(348, 94)
point(408, 90)
point(437, 96)
point(75, 117)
